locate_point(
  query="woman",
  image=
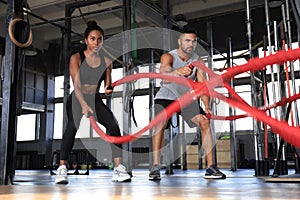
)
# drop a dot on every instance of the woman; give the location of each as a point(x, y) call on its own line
point(88, 69)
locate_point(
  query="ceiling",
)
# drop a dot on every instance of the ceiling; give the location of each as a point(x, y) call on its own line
point(228, 17)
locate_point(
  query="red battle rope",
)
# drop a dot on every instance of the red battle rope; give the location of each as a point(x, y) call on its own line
point(288, 133)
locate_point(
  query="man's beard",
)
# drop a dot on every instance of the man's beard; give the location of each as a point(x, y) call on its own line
point(188, 50)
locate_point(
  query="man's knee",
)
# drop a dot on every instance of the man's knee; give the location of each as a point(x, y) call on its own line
point(204, 122)
point(159, 130)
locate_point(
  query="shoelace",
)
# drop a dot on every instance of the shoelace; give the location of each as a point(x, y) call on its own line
point(63, 171)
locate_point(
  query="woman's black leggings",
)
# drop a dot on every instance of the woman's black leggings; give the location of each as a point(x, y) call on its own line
point(104, 116)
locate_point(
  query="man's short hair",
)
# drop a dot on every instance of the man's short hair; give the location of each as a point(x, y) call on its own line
point(189, 30)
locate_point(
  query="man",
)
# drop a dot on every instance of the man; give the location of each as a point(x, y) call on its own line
point(177, 63)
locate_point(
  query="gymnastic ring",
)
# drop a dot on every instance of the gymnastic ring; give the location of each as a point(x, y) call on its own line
point(12, 37)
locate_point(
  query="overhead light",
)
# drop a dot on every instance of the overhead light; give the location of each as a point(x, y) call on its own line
point(30, 51)
point(274, 3)
point(180, 19)
point(26, 8)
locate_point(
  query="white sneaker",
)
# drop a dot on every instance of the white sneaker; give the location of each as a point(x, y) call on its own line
point(62, 175)
point(121, 174)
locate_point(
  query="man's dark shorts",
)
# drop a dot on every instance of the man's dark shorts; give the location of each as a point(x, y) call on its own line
point(187, 112)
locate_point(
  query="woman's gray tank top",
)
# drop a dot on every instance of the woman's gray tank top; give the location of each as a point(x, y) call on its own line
point(172, 91)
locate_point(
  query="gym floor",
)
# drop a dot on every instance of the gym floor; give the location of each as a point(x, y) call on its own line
point(188, 184)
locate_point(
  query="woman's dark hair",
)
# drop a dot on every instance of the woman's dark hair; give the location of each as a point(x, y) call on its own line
point(92, 25)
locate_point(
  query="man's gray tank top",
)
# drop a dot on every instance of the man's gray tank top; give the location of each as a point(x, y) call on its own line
point(172, 91)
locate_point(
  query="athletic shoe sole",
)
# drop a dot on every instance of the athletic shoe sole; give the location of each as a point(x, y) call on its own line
point(214, 177)
point(154, 178)
point(61, 181)
point(122, 180)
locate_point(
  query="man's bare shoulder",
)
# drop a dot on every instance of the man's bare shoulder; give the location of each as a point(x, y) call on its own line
point(166, 57)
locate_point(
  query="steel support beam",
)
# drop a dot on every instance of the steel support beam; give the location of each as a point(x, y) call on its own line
point(151, 104)
point(150, 13)
point(257, 132)
point(127, 65)
point(11, 104)
point(7, 70)
point(210, 50)
point(47, 120)
point(233, 149)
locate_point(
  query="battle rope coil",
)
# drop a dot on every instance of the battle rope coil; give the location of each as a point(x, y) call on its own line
point(288, 133)
point(12, 37)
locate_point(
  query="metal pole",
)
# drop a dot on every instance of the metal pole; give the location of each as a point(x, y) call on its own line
point(249, 31)
point(297, 150)
point(277, 67)
point(184, 149)
point(127, 155)
point(279, 96)
point(283, 38)
point(213, 105)
point(253, 92)
point(167, 46)
point(52, 22)
point(265, 103)
point(268, 26)
point(233, 152)
point(151, 106)
point(278, 161)
point(267, 14)
point(292, 70)
point(295, 5)
point(166, 25)
point(12, 102)
point(7, 70)
point(169, 138)
point(66, 53)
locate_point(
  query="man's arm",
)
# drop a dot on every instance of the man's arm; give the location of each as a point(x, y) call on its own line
point(166, 66)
